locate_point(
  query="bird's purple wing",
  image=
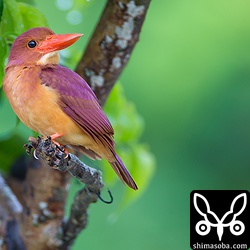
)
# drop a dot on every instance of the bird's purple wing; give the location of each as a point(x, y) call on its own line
point(79, 102)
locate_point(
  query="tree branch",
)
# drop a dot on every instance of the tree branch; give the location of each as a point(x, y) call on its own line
point(8, 200)
point(13, 238)
point(43, 196)
point(54, 156)
point(10, 210)
point(111, 45)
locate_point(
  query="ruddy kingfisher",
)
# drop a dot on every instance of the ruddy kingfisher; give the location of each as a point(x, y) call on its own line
point(55, 101)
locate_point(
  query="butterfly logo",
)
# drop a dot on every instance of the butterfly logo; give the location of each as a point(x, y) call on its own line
point(203, 227)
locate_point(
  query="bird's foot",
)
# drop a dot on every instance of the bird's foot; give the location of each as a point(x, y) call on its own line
point(55, 136)
point(61, 147)
point(46, 148)
point(33, 142)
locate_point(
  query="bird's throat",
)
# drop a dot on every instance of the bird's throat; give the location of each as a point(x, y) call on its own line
point(49, 58)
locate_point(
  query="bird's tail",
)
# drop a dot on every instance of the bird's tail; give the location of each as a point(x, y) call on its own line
point(122, 172)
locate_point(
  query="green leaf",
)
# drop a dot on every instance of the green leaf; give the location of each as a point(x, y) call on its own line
point(3, 56)
point(11, 18)
point(128, 126)
point(127, 123)
point(31, 16)
point(1, 9)
point(10, 149)
point(8, 118)
point(144, 167)
point(31, 2)
point(16, 18)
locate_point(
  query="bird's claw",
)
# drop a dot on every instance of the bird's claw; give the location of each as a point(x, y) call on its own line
point(34, 154)
point(58, 145)
point(62, 149)
point(33, 142)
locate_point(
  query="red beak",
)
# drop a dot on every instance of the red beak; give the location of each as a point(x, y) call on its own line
point(57, 42)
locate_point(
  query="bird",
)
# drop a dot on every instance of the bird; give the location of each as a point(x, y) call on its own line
point(57, 102)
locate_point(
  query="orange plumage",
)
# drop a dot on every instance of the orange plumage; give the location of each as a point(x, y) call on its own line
point(52, 99)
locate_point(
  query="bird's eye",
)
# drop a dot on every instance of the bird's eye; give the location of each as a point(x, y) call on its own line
point(32, 44)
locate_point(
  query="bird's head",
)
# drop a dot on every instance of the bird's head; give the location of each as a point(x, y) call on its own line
point(39, 46)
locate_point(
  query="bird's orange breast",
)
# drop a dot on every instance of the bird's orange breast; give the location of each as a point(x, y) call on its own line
point(37, 106)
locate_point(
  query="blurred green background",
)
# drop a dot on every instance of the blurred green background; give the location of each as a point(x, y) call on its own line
point(189, 77)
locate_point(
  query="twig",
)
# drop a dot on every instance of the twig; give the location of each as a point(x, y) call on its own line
point(55, 157)
point(78, 217)
point(8, 200)
point(13, 238)
point(10, 209)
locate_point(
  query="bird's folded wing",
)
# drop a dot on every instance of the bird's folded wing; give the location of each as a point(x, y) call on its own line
point(79, 102)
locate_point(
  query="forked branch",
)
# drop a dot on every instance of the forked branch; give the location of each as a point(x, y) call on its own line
point(55, 156)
